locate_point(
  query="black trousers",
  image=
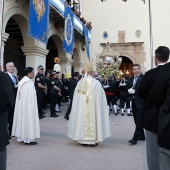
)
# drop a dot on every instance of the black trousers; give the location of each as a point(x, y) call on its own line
point(124, 97)
point(54, 101)
point(111, 99)
point(10, 119)
point(3, 157)
point(69, 108)
point(138, 119)
point(40, 101)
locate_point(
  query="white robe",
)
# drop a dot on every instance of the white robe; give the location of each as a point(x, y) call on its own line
point(89, 118)
point(26, 122)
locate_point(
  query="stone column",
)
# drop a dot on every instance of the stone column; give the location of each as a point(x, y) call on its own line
point(66, 65)
point(77, 67)
point(35, 56)
point(4, 39)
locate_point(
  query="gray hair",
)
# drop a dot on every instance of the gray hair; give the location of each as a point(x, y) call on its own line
point(9, 63)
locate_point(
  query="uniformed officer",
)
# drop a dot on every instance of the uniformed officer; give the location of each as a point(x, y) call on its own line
point(55, 92)
point(41, 89)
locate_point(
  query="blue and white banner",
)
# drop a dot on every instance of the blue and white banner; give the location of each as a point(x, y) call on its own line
point(38, 26)
point(86, 41)
point(68, 31)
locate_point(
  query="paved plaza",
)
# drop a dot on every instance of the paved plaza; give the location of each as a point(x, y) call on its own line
point(55, 151)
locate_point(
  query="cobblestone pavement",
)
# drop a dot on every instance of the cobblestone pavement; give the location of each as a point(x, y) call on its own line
point(55, 151)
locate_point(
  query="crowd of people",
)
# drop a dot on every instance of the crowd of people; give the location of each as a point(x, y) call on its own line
point(143, 96)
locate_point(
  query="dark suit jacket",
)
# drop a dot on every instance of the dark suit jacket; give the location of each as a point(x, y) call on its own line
point(160, 94)
point(72, 85)
point(5, 102)
point(151, 112)
point(139, 102)
point(14, 90)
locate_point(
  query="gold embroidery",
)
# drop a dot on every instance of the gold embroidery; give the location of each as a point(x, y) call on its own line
point(83, 92)
point(87, 100)
point(79, 91)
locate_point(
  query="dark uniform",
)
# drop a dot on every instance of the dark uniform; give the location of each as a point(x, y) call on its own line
point(39, 78)
point(124, 95)
point(54, 97)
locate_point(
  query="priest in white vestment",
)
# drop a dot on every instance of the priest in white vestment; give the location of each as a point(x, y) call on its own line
point(89, 118)
point(26, 121)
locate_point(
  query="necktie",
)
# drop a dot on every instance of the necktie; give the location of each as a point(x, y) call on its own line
point(134, 81)
point(14, 80)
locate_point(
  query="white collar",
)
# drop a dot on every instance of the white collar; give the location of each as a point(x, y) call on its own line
point(160, 64)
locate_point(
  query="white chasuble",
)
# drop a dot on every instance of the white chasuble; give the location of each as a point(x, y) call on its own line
point(89, 118)
point(26, 120)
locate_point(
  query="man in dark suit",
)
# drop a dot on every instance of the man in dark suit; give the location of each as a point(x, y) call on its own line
point(72, 85)
point(160, 94)
point(152, 109)
point(5, 102)
point(137, 103)
point(13, 85)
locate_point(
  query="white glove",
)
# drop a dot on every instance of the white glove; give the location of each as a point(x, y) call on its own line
point(106, 86)
point(131, 91)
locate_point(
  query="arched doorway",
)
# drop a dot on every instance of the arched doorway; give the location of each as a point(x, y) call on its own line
point(53, 52)
point(12, 49)
point(76, 61)
point(126, 66)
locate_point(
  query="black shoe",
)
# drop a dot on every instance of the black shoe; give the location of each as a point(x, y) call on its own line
point(129, 114)
point(85, 145)
point(111, 110)
point(40, 117)
point(58, 111)
point(116, 114)
point(122, 114)
point(54, 115)
point(60, 105)
point(141, 138)
point(133, 141)
point(9, 137)
point(44, 108)
point(66, 117)
point(43, 116)
point(31, 143)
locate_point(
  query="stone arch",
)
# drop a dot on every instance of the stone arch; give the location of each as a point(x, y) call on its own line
point(76, 60)
point(20, 15)
point(58, 39)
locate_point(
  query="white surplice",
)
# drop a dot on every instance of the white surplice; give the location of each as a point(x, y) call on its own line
point(26, 121)
point(89, 118)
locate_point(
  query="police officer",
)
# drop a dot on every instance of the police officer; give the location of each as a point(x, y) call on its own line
point(41, 89)
point(55, 92)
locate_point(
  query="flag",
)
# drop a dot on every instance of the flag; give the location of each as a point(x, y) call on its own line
point(68, 30)
point(86, 41)
point(38, 24)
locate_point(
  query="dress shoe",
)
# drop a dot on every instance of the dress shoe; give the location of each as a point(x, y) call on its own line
point(85, 145)
point(129, 114)
point(43, 116)
point(54, 115)
point(59, 111)
point(31, 143)
point(116, 114)
point(40, 117)
point(133, 141)
point(111, 110)
point(141, 138)
point(65, 117)
point(122, 114)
